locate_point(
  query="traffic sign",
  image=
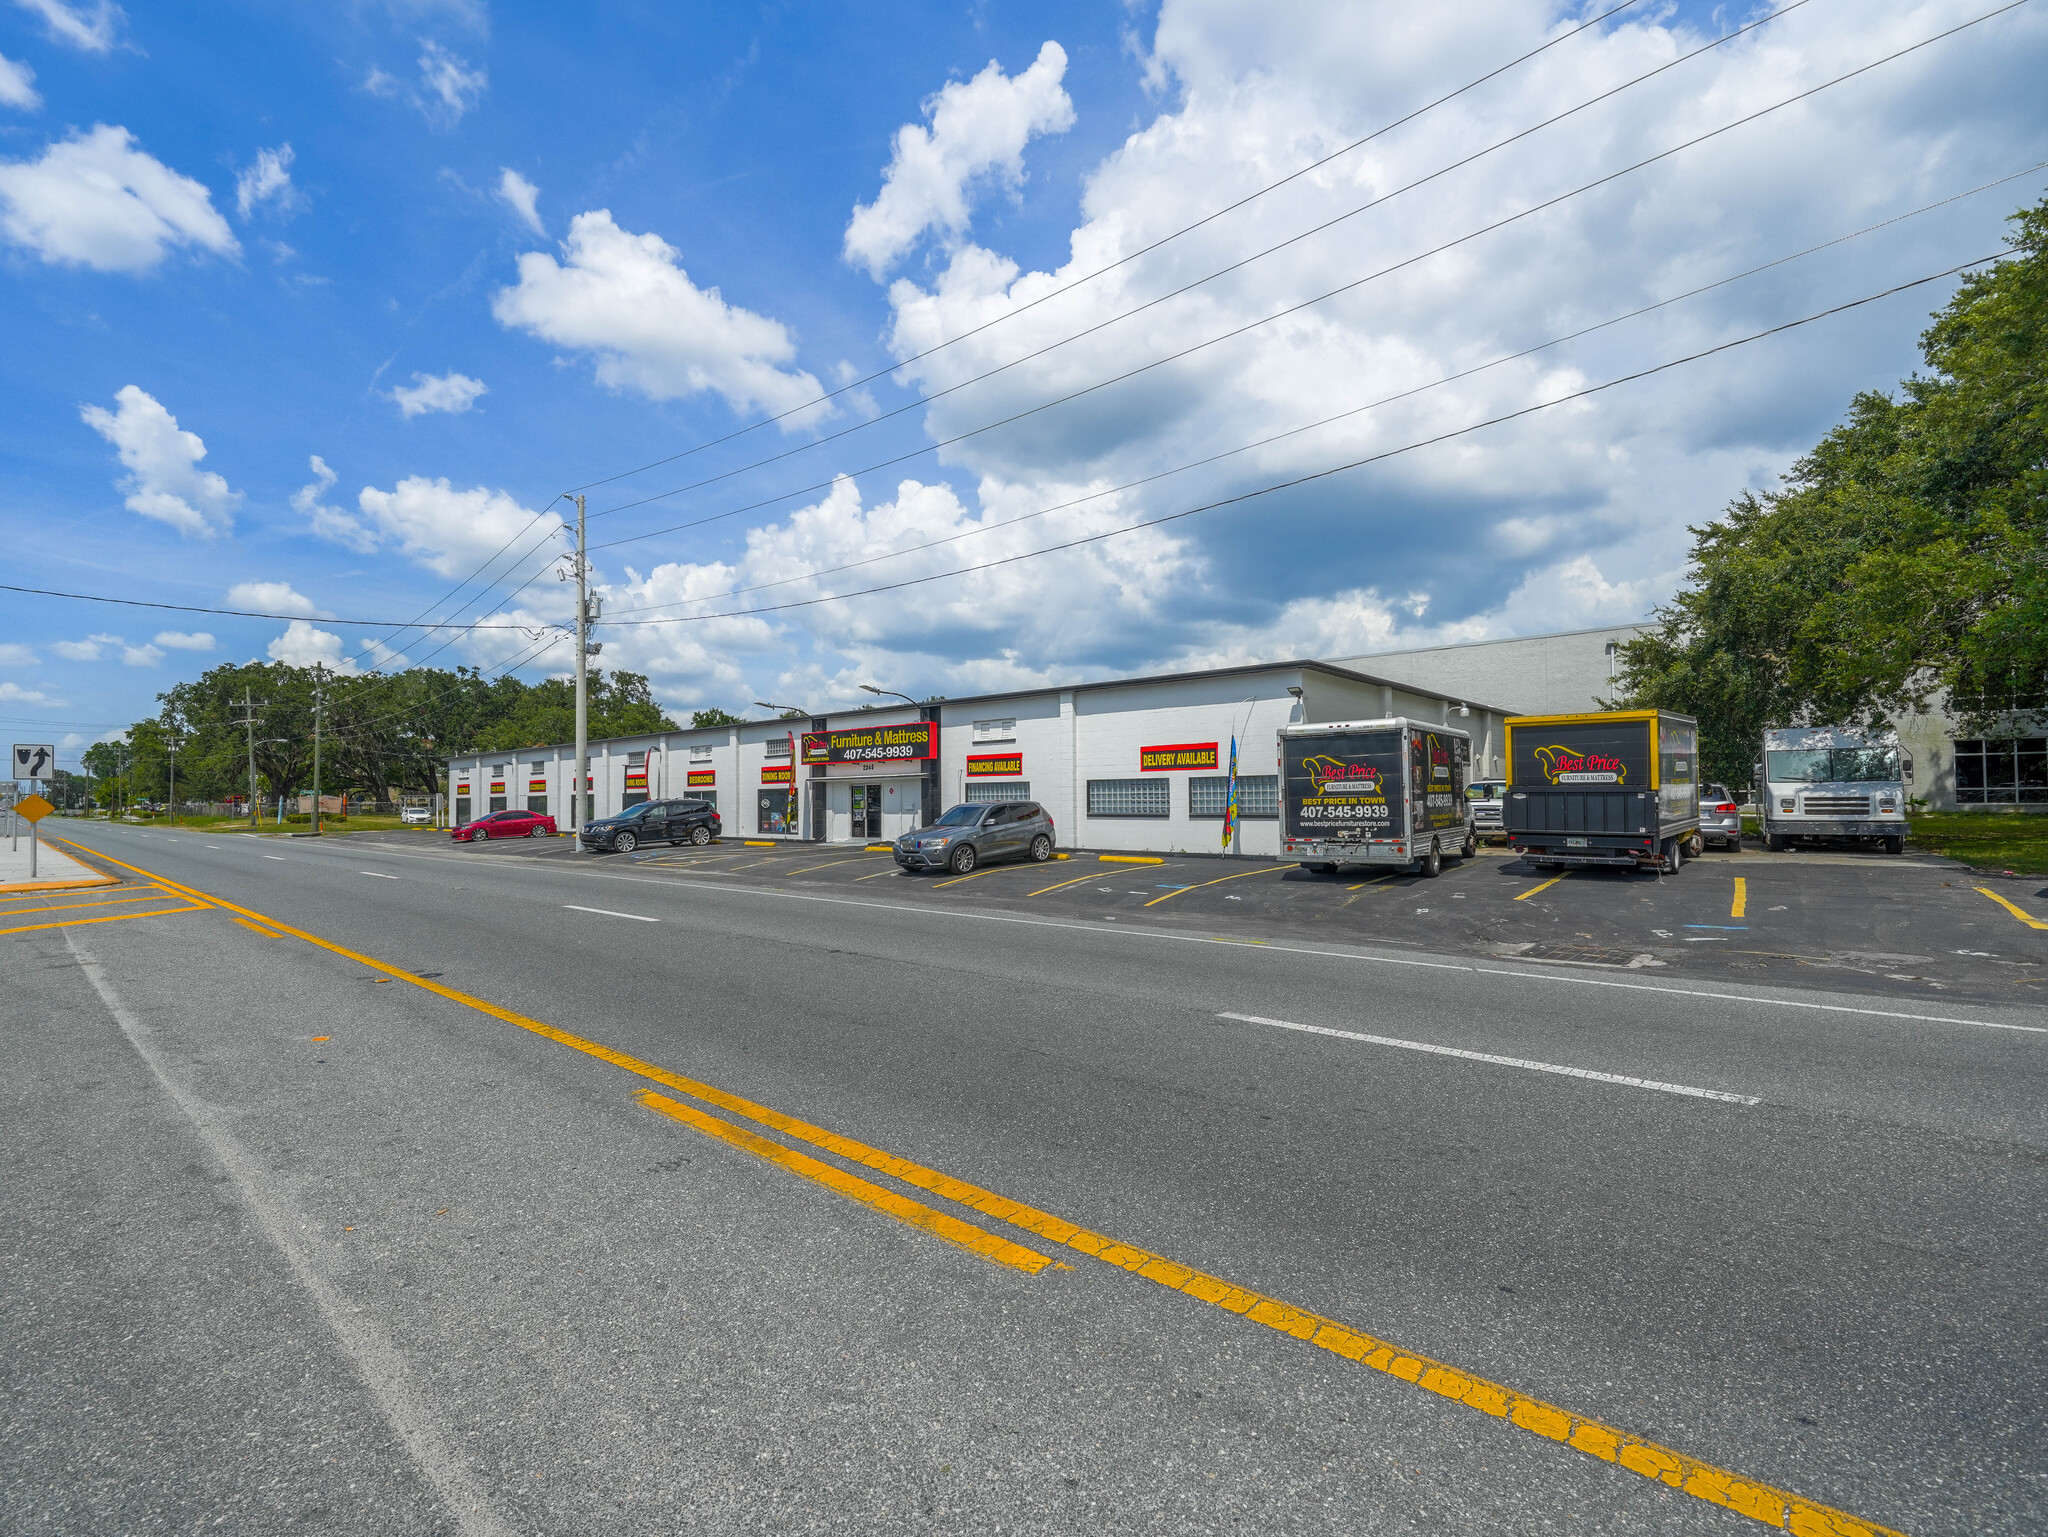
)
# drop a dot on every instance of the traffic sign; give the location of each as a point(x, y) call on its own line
point(33, 808)
point(34, 760)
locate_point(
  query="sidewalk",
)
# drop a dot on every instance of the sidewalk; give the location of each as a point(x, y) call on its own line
point(55, 869)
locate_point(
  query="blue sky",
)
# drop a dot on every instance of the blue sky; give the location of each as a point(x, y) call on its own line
point(469, 256)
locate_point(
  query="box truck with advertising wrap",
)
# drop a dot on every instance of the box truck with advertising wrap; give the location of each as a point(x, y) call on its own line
point(1620, 788)
point(1375, 792)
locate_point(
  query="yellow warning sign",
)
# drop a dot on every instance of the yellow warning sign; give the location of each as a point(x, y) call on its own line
point(33, 807)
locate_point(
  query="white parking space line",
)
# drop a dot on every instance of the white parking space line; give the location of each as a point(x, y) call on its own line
point(379, 874)
point(606, 912)
point(1488, 1057)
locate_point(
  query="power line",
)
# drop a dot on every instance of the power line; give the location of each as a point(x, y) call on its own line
point(927, 399)
point(1324, 474)
point(246, 613)
point(1267, 441)
point(1144, 250)
point(1291, 309)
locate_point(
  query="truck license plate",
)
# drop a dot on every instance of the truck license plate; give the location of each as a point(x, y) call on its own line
point(1575, 843)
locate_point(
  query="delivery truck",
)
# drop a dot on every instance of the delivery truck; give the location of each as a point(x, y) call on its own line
point(1375, 792)
point(1619, 788)
point(1833, 782)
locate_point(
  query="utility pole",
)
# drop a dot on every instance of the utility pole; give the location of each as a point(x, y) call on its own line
point(171, 746)
point(248, 707)
point(319, 682)
point(584, 650)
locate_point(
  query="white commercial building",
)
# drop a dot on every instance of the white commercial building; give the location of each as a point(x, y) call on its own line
point(1139, 763)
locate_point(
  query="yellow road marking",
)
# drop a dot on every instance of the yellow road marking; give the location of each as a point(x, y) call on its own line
point(1741, 905)
point(257, 928)
point(2025, 917)
point(1241, 875)
point(154, 895)
point(912, 1213)
point(72, 923)
point(878, 848)
point(978, 874)
point(1129, 859)
point(1525, 895)
point(1374, 881)
point(1063, 885)
point(1761, 1502)
point(765, 843)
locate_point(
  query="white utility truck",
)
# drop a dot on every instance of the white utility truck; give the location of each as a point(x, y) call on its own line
point(1833, 782)
point(1375, 792)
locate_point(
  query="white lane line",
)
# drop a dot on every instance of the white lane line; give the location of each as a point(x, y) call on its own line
point(278, 857)
point(606, 912)
point(1484, 1056)
point(213, 845)
point(379, 874)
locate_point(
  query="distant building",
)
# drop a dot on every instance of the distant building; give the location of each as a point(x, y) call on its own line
point(1561, 674)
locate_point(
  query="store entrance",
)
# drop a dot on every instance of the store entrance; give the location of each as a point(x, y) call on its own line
point(867, 811)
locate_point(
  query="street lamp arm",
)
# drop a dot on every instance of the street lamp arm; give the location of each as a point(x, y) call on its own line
point(888, 693)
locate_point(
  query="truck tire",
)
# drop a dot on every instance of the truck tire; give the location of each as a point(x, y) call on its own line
point(1775, 842)
point(1432, 863)
point(1695, 846)
point(1674, 856)
point(1895, 845)
point(1471, 848)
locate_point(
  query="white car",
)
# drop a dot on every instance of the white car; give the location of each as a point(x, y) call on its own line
point(415, 816)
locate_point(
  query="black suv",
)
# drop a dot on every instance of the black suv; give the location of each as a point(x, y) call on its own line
point(972, 834)
point(650, 822)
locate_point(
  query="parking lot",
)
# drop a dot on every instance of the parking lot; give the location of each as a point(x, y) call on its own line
point(1847, 920)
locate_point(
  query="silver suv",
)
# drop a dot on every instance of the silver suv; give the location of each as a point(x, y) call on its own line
point(1485, 796)
point(970, 835)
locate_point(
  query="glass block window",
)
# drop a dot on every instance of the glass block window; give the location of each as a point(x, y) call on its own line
point(2002, 772)
point(995, 731)
point(700, 751)
point(637, 759)
point(983, 791)
point(778, 747)
point(537, 766)
point(1148, 797)
point(497, 771)
point(1258, 796)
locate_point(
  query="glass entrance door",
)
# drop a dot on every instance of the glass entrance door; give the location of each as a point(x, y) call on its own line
point(867, 811)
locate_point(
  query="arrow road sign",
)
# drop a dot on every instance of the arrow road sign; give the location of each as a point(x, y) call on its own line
point(35, 760)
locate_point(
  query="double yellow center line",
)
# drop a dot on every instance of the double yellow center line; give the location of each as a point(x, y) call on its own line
point(1759, 1501)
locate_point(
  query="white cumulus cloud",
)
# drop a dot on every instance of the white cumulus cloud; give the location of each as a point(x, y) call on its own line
point(449, 87)
point(452, 393)
point(87, 650)
point(303, 645)
point(87, 27)
point(452, 532)
point(17, 85)
point(164, 480)
point(144, 655)
point(268, 180)
point(14, 693)
point(95, 200)
point(522, 197)
point(979, 128)
point(330, 523)
point(272, 598)
point(13, 654)
point(627, 299)
point(178, 640)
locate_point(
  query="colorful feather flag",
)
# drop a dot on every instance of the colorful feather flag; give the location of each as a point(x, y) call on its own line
point(1230, 805)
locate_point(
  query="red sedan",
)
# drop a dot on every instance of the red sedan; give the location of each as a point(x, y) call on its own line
point(505, 824)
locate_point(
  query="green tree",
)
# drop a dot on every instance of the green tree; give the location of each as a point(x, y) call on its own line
point(1904, 560)
point(713, 717)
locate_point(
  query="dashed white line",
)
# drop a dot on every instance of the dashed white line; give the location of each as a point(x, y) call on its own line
point(606, 912)
point(1489, 1057)
point(278, 857)
point(379, 874)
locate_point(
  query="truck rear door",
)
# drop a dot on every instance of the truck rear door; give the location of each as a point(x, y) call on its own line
point(1343, 787)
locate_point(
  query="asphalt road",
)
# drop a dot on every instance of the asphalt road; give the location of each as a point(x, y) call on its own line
point(470, 1199)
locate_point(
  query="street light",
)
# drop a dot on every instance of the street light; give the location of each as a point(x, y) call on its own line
point(784, 709)
point(890, 692)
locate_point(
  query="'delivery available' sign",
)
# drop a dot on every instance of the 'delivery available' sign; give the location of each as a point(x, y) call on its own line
point(1179, 755)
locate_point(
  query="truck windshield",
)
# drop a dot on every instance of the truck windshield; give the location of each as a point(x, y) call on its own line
point(1832, 765)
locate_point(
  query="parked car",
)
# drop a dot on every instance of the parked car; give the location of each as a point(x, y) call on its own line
point(1720, 817)
point(1486, 796)
point(973, 834)
point(504, 824)
point(652, 822)
point(414, 816)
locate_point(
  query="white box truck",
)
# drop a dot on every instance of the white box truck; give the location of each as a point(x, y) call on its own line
point(1832, 782)
point(1375, 792)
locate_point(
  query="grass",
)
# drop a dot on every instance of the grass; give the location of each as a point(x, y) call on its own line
point(329, 824)
point(1986, 840)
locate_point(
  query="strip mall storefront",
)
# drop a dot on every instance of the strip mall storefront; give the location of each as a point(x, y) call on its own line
point(1141, 764)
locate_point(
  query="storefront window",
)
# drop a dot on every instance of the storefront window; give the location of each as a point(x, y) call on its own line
point(775, 811)
point(537, 804)
point(461, 809)
point(1258, 796)
point(1148, 797)
point(1991, 772)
